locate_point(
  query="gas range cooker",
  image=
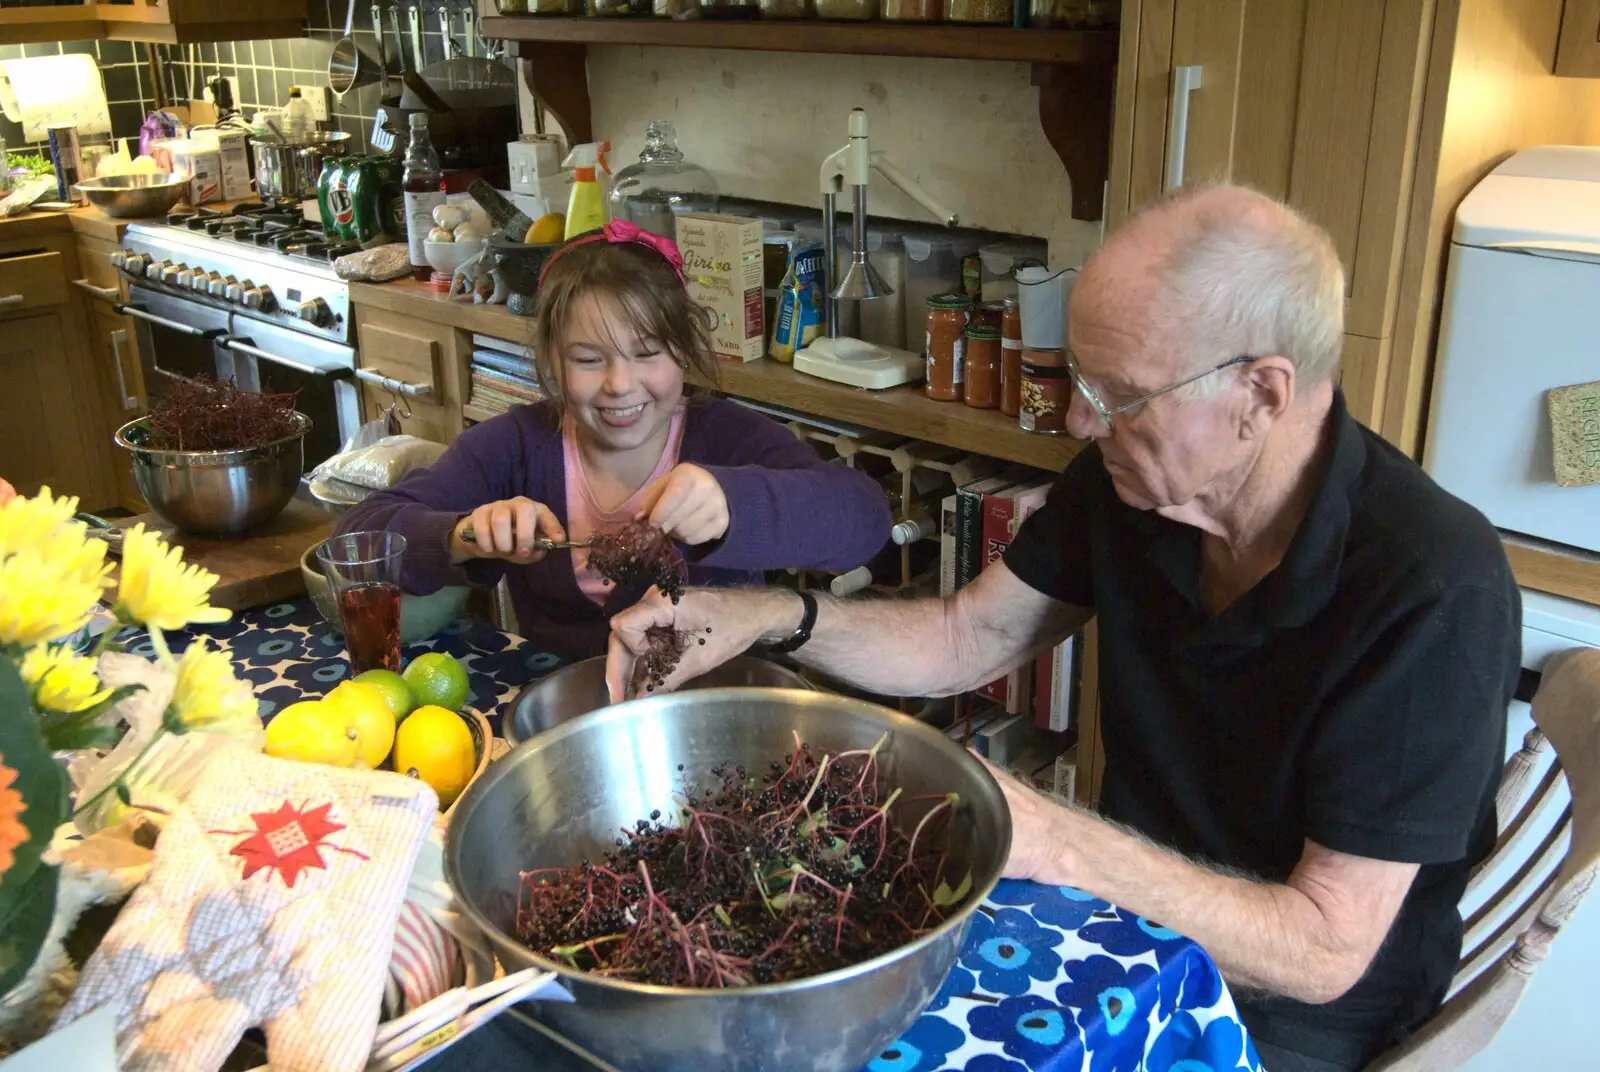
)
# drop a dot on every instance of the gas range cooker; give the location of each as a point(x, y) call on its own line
point(258, 261)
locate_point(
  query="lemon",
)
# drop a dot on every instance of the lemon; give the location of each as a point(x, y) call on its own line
point(374, 721)
point(314, 731)
point(394, 689)
point(435, 745)
point(436, 678)
point(546, 229)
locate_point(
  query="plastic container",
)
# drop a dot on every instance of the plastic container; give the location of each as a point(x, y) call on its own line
point(933, 266)
point(1042, 296)
point(810, 231)
point(1000, 262)
point(883, 320)
point(945, 350)
point(662, 185)
point(847, 9)
point(586, 207)
point(913, 10)
point(298, 121)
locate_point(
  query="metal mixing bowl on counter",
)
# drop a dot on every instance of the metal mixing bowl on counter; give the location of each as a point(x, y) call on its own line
point(580, 688)
point(216, 492)
point(128, 197)
point(560, 797)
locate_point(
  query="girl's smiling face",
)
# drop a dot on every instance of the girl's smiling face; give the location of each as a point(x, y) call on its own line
point(620, 387)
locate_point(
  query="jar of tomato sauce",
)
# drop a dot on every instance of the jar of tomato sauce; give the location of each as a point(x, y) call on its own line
point(982, 371)
point(945, 352)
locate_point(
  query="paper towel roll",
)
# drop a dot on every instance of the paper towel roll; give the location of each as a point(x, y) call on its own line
point(54, 89)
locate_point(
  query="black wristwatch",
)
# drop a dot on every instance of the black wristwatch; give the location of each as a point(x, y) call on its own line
point(808, 619)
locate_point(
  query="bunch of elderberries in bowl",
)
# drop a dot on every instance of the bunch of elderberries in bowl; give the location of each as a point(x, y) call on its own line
point(792, 870)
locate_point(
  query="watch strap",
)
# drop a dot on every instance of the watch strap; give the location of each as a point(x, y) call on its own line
point(808, 620)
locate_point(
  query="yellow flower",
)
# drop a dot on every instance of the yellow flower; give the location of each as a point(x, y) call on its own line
point(51, 573)
point(208, 697)
point(61, 680)
point(12, 832)
point(158, 588)
point(47, 593)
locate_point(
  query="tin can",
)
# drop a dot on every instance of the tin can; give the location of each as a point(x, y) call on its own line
point(377, 201)
point(66, 155)
point(1046, 392)
point(333, 199)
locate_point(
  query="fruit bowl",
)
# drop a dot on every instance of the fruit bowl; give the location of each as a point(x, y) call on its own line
point(446, 257)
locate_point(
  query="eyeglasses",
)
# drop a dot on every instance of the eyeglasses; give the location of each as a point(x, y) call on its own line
point(1108, 412)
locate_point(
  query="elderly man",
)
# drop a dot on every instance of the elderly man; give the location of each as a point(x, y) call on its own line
point(1306, 646)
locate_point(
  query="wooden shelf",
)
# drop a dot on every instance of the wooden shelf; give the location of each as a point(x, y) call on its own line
point(1094, 47)
point(1074, 69)
point(158, 21)
point(903, 411)
point(31, 25)
point(1548, 567)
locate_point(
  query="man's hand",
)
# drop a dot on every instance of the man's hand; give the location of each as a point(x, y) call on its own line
point(688, 505)
point(506, 529)
point(1036, 823)
point(729, 620)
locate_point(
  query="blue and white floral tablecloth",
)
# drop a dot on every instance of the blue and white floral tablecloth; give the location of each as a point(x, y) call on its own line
point(1049, 978)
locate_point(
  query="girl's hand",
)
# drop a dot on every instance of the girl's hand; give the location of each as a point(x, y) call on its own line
point(506, 529)
point(688, 505)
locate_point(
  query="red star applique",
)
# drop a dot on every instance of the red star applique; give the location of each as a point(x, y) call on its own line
point(288, 841)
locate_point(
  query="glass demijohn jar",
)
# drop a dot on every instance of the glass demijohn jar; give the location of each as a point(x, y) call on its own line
point(652, 192)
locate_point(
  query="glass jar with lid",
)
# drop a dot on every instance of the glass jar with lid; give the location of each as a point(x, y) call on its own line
point(654, 191)
point(997, 12)
point(913, 10)
point(945, 349)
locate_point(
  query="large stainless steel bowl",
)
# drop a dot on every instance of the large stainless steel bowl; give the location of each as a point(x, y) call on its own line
point(216, 492)
point(135, 196)
point(580, 688)
point(562, 795)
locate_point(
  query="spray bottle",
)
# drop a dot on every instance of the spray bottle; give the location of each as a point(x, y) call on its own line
point(586, 208)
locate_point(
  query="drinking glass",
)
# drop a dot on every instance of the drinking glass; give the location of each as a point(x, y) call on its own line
point(363, 571)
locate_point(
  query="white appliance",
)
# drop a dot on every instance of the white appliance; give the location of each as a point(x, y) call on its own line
point(1521, 316)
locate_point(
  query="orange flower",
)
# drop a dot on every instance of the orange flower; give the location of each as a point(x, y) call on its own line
point(12, 832)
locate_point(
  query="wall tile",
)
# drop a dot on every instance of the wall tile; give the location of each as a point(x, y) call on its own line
point(115, 52)
point(122, 83)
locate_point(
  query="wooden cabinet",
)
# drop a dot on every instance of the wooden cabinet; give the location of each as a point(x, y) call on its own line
point(162, 21)
point(113, 357)
point(1316, 103)
point(411, 356)
point(1578, 50)
point(52, 418)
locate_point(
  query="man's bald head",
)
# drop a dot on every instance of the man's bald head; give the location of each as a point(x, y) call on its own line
point(1218, 271)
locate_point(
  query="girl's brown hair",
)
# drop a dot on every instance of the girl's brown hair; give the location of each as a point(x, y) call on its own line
point(643, 286)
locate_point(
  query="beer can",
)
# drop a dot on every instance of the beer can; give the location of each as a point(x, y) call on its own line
point(66, 155)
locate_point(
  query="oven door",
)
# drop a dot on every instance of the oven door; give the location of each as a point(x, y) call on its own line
point(259, 356)
point(183, 338)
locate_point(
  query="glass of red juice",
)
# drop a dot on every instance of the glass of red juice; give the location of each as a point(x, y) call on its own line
point(363, 572)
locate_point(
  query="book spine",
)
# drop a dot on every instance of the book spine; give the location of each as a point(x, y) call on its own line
point(997, 512)
point(969, 535)
point(947, 546)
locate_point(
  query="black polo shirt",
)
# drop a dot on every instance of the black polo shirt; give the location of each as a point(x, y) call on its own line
point(1356, 696)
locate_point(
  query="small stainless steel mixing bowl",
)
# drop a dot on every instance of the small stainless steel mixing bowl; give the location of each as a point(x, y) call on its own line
point(216, 492)
point(127, 197)
point(580, 688)
point(561, 796)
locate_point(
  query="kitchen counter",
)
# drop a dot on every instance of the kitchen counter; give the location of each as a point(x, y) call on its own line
point(87, 221)
point(409, 297)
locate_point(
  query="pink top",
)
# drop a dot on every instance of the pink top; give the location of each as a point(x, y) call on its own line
point(584, 516)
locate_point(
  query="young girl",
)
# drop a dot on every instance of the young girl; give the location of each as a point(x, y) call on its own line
point(621, 439)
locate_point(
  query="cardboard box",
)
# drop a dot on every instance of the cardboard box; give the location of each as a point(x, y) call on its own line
point(722, 263)
point(205, 178)
point(233, 154)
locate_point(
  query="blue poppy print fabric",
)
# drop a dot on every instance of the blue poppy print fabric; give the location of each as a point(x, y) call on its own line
point(1051, 979)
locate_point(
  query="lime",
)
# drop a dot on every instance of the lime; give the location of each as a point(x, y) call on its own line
point(372, 717)
point(436, 678)
point(313, 731)
point(435, 745)
point(394, 688)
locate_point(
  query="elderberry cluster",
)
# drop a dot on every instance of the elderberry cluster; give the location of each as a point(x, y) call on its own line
point(798, 871)
point(640, 553)
point(208, 414)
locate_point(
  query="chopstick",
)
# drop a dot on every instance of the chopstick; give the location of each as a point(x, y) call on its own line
point(434, 1025)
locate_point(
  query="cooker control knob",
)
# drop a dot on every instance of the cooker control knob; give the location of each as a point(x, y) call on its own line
point(153, 269)
point(235, 291)
point(170, 273)
point(201, 283)
point(133, 263)
point(118, 258)
point(185, 280)
point(219, 285)
point(316, 312)
point(260, 298)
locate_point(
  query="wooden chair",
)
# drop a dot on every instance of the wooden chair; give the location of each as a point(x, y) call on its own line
point(1554, 866)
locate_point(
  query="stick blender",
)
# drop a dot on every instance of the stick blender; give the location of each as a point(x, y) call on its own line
point(840, 358)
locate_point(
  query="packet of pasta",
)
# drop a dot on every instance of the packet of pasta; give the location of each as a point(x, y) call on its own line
point(799, 303)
